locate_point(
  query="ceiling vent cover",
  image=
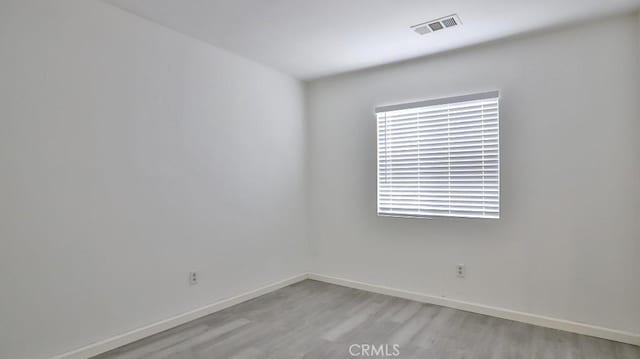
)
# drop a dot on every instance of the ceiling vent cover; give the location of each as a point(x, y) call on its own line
point(437, 24)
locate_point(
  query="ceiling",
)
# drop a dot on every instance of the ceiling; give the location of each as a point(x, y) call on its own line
point(310, 39)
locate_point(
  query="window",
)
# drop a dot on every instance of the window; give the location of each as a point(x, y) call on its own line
point(440, 158)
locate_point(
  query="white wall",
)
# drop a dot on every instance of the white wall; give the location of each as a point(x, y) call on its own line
point(129, 156)
point(568, 243)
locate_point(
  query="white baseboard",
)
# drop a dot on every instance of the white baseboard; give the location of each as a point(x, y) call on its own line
point(157, 327)
point(160, 326)
point(560, 324)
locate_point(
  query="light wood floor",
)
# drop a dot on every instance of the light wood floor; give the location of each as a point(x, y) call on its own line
point(311, 319)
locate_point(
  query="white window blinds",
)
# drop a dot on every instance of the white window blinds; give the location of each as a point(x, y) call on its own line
point(440, 158)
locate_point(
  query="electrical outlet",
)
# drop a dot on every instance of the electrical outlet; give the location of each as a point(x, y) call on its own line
point(460, 271)
point(193, 278)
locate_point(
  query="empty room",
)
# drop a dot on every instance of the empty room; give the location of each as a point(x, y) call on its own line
point(296, 179)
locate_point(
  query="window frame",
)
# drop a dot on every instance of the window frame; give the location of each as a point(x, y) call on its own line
point(434, 102)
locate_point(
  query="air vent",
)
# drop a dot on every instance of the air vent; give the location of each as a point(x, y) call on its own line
point(437, 24)
point(448, 22)
point(422, 29)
